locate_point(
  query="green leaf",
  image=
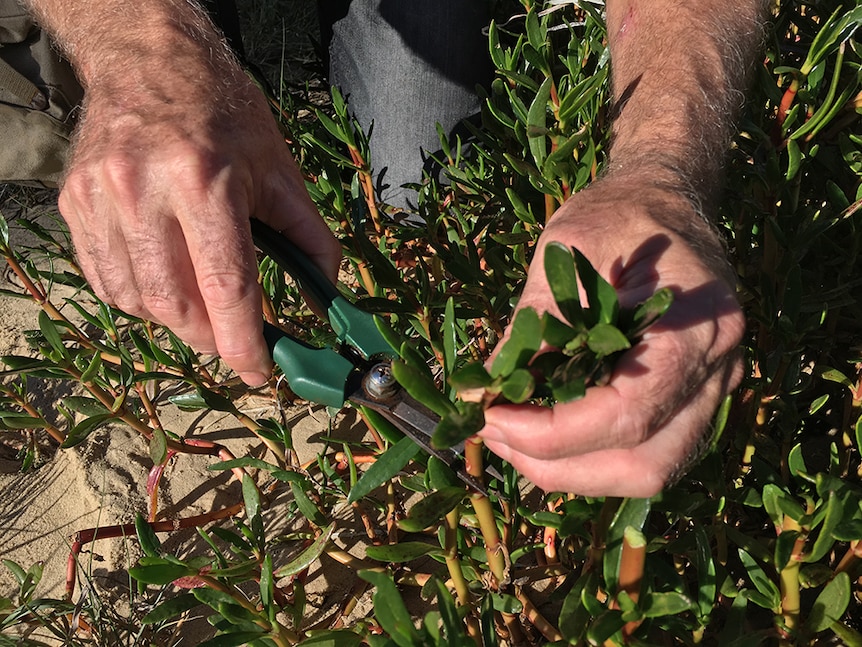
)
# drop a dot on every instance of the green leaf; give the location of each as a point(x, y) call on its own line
point(440, 475)
point(580, 95)
point(706, 578)
point(84, 428)
point(84, 405)
point(216, 401)
point(4, 231)
point(657, 605)
point(835, 506)
point(15, 420)
point(605, 626)
point(251, 497)
point(308, 556)
point(563, 281)
point(390, 610)
point(605, 339)
point(404, 551)
point(92, 369)
point(430, 509)
point(381, 425)
point(468, 419)
point(794, 159)
point(158, 446)
point(568, 381)
point(537, 123)
point(50, 330)
point(19, 573)
point(189, 401)
point(449, 337)
point(243, 461)
point(171, 608)
point(557, 333)
point(306, 506)
point(650, 311)
point(150, 544)
point(384, 468)
point(830, 605)
point(525, 337)
point(765, 586)
point(452, 622)
point(518, 386)
point(470, 376)
point(333, 638)
point(506, 603)
point(161, 573)
point(601, 296)
point(421, 388)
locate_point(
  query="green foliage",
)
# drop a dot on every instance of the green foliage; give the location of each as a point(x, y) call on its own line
point(758, 544)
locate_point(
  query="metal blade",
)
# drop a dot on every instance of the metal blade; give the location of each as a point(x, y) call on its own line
point(418, 422)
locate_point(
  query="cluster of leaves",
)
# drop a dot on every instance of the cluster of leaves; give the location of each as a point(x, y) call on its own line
point(580, 351)
point(760, 544)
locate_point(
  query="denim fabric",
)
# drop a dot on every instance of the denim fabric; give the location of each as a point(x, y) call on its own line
point(406, 65)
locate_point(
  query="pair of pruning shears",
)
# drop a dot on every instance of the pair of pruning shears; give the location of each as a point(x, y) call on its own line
point(359, 371)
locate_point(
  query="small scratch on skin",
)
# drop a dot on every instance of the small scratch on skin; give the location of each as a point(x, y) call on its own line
point(628, 22)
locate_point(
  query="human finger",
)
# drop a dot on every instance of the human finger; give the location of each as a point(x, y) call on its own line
point(289, 210)
point(638, 471)
point(218, 242)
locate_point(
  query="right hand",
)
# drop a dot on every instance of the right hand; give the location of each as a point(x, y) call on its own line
point(169, 164)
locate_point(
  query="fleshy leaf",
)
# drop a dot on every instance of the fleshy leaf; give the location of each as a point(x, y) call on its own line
point(605, 339)
point(525, 337)
point(650, 311)
point(423, 389)
point(432, 508)
point(308, 556)
point(390, 610)
point(518, 386)
point(384, 468)
point(466, 421)
point(563, 281)
point(404, 551)
point(601, 296)
point(470, 376)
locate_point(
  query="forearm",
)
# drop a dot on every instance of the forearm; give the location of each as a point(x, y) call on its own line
point(679, 71)
point(115, 43)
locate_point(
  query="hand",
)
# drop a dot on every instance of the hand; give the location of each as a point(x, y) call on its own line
point(170, 162)
point(647, 425)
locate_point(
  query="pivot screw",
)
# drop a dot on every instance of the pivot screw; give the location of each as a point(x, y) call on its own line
point(379, 382)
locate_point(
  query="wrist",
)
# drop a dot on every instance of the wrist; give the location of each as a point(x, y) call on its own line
point(631, 204)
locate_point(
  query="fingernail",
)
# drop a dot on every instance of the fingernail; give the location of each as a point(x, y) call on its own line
point(254, 379)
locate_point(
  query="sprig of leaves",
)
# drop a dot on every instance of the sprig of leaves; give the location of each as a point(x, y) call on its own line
point(548, 359)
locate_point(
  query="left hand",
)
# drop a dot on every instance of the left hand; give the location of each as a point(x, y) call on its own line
point(650, 422)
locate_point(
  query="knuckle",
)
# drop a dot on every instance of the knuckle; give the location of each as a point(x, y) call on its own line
point(129, 302)
point(195, 167)
point(226, 290)
point(165, 307)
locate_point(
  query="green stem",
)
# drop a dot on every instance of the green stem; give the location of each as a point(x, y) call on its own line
point(790, 586)
point(453, 564)
point(484, 512)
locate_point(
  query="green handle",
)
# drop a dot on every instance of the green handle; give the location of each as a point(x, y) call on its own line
point(315, 374)
point(352, 325)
